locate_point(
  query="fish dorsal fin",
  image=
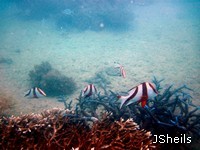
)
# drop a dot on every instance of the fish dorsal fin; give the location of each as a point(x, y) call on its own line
point(131, 90)
point(27, 93)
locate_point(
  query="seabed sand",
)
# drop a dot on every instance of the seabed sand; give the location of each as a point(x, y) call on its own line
point(144, 53)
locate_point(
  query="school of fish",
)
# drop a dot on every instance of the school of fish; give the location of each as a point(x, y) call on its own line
point(138, 94)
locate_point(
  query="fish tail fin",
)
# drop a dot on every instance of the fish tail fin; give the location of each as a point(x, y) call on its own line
point(122, 99)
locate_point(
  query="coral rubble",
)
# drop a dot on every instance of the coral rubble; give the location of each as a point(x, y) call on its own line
point(51, 80)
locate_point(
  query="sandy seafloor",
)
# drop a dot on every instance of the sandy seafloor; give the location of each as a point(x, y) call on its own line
point(166, 47)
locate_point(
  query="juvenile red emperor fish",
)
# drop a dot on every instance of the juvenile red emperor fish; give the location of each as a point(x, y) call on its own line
point(89, 90)
point(35, 92)
point(140, 93)
point(122, 71)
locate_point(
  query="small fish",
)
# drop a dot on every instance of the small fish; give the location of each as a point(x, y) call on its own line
point(89, 90)
point(35, 92)
point(140, 93)
point(67, 12)
point(122, 71)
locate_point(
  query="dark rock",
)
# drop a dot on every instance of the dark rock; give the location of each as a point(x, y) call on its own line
point(7, 61)
point(51, 80)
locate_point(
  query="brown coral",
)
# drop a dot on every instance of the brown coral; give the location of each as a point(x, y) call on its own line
point(48, 130)
point(62, 129)
point(119, 135)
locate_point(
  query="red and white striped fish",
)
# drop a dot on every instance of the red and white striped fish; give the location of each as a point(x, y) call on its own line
point(89, 90)
point(122, 71)
point(140, 93)
point(35, 92)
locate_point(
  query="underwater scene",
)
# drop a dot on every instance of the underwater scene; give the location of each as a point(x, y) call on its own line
point(100, 74)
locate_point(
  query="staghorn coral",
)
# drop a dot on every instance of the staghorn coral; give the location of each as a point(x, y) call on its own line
point(112, 135)
point(51, 80)
point(63, 129)
point(100, 79)
point(52, 129)
point(171, 112)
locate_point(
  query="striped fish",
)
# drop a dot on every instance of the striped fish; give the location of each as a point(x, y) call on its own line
point(89, 90)
point(140, 93)
point(35, 92)
point(122, 71)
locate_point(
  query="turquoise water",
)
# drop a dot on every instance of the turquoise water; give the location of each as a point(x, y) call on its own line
point(81, 39)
